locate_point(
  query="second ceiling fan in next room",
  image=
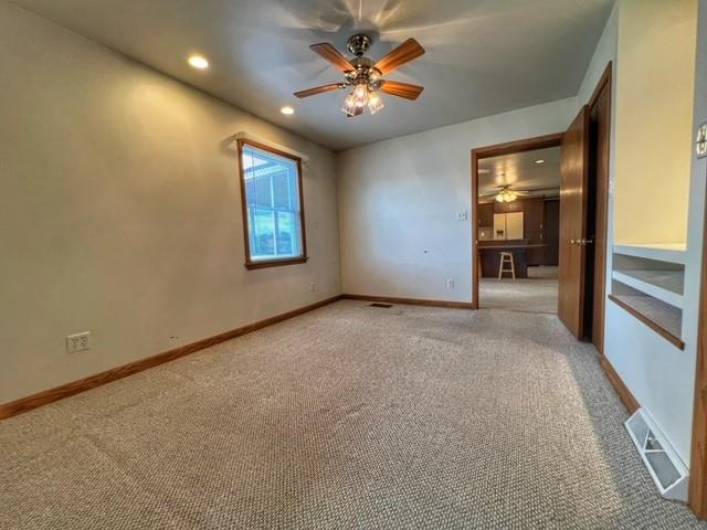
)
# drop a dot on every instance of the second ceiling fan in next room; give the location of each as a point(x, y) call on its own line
point(364, 77)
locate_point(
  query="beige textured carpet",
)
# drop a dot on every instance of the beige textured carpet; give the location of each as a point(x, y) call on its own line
point(347, 417)
point(534, 295)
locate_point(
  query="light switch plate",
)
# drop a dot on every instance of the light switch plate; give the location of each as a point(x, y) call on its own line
point(701, 148)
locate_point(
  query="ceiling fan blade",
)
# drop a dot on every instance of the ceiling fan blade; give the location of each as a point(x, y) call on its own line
point(532, 190)
point(402, 90)
point(319, 90)
point(331, 54)
point(403, 54)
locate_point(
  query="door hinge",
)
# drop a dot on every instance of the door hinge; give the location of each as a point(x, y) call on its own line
point(701, 148)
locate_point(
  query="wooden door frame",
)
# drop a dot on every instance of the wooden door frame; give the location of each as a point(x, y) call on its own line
point(518, 146)
point(605, 82)
point(697, 491)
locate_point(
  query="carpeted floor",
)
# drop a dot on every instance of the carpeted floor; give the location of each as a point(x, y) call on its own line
point(346, 417)
point(533, 295)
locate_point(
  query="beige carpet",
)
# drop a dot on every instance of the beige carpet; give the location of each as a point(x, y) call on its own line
point(347, 417)
point(534, 295)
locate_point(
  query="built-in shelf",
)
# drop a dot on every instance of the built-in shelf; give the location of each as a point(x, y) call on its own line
point(648, 281)
point(662, 318)
point(670, 252)
point(665, 285)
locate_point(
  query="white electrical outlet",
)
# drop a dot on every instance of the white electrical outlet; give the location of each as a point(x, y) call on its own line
point(78, 342)
point(462, 216)
point(450, 283)
point(313, 287)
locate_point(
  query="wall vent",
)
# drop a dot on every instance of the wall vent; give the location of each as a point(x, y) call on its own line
point(664, 465)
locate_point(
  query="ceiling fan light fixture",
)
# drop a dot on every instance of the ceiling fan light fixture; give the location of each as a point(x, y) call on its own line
point(364, 77)
point(349, 107)
point(506, 195)
point(375, 102)
point(361, 95)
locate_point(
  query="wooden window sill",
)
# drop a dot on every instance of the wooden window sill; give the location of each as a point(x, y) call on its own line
point(251, 265)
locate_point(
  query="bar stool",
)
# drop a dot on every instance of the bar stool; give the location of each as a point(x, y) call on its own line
point(506, 259)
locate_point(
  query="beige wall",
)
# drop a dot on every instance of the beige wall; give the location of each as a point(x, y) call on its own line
point(655, 90)
point(121, 211)
point(399, 202)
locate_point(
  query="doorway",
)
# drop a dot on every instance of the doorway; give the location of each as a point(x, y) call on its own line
point(583, 206)
point(518, 230)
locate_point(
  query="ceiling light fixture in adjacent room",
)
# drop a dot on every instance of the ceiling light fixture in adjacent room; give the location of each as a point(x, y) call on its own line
point(287, 110)
point(506, 195)
point(198, 61)
point(540, 161)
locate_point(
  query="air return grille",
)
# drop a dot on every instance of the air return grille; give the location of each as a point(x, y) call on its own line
point(664, 465)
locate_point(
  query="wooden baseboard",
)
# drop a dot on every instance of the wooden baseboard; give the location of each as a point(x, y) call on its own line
point(49, 396)
point(622, 390)
point(410, 301)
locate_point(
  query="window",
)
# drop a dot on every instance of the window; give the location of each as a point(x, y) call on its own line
point(273, 214)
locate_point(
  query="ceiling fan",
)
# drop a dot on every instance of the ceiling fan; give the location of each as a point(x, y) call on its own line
point(366, 77)
point(506, 194)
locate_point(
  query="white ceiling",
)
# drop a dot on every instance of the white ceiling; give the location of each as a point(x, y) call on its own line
point(520, 171)
point(483, 56)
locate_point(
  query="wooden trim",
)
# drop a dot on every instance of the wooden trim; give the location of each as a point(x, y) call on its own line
point(249, 263)
point(274, 263)
point(518, 146)
point(603, 80)
point(605, 83)
point(475, 258)
point(409, 301)
point(49, 396)
point(697, 492)
point(622, 390)
point(660, 330)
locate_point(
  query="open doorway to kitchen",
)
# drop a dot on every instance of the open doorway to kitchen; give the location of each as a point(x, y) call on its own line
point(518, 227)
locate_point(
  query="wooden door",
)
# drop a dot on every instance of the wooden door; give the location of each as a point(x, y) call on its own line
point(574, 170)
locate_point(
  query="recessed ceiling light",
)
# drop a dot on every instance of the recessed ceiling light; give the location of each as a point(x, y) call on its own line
point(199, 62)
point(287, 110)
point(540, 161)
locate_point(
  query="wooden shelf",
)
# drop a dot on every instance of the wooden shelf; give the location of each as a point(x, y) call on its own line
point(662, 318)
point(670, 252)
point(666, 286)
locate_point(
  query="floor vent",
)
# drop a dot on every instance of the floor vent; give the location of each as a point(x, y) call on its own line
point(378, 304)
point(665, 466)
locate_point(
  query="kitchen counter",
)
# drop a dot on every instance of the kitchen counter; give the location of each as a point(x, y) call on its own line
point(489, 254)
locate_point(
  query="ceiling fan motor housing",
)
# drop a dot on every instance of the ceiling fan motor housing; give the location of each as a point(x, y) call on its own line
point(359, 43)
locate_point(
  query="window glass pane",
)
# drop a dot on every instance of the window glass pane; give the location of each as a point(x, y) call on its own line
point(288, 241)
point(281, 190)
point(273, 205)
point(263, 233)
